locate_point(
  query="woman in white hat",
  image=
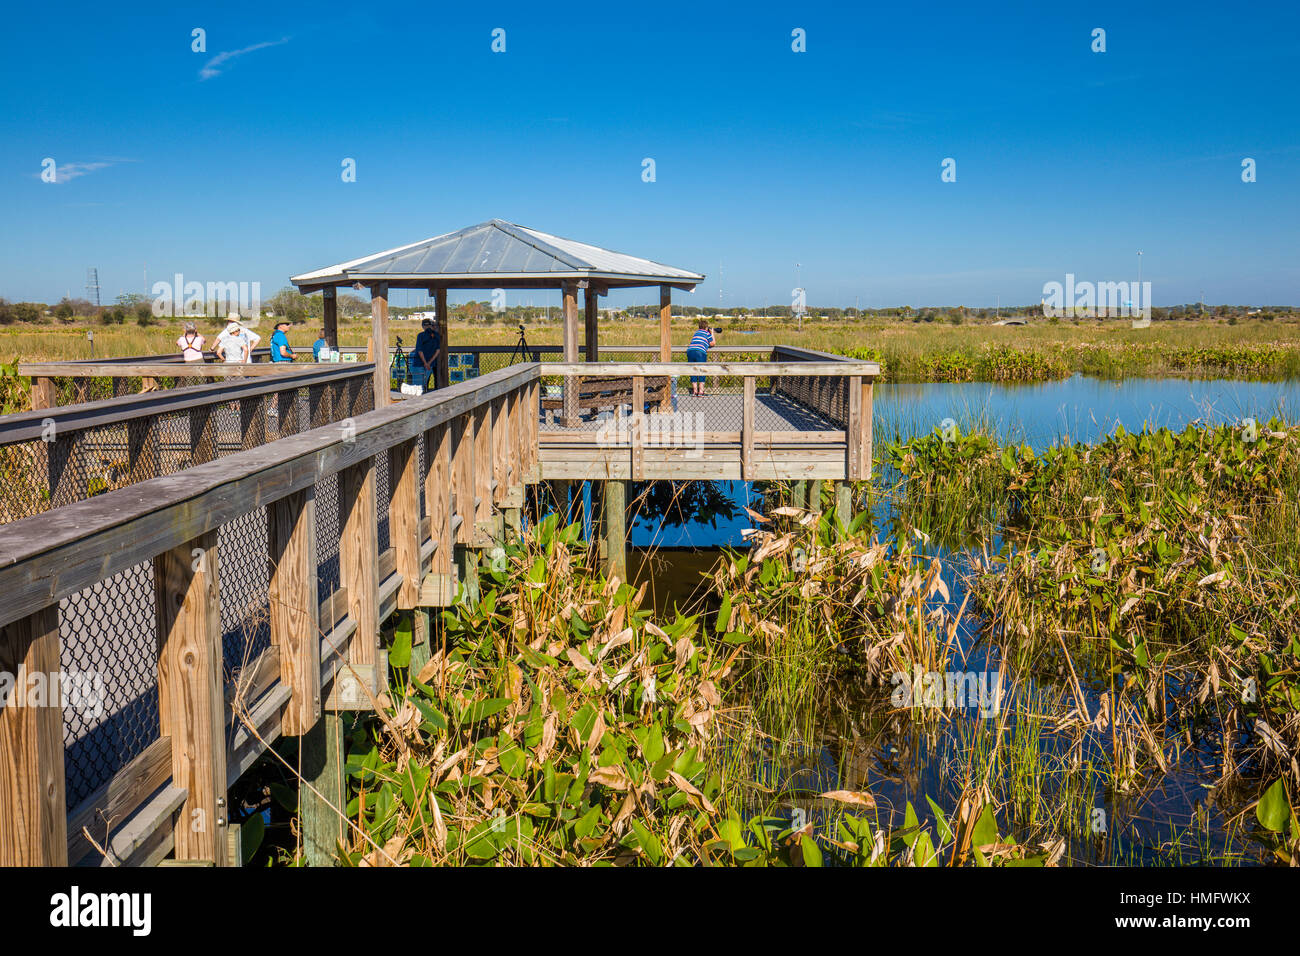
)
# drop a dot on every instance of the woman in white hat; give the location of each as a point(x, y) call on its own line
point(235, 345)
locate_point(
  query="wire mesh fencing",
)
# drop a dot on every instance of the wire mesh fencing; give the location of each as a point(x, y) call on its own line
point(108, 631)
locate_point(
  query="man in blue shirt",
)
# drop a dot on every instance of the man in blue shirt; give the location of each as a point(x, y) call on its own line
point(280, 351)
point(424, 358)
point(316, 346)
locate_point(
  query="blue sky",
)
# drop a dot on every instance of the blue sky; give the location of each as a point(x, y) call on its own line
point(1067, 160)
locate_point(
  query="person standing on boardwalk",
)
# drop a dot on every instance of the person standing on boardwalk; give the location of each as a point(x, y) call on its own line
point(235, 345)
point(698, 351)
point(319, 344)
point(191, 344)
point(280, 351)
point(425, 356)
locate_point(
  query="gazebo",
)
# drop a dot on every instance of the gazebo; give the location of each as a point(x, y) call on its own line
point(495, 255)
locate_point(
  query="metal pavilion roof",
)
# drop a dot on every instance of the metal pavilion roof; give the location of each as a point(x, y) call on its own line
point(497, 253)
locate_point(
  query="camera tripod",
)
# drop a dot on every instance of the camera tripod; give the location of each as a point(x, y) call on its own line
point(523, 352)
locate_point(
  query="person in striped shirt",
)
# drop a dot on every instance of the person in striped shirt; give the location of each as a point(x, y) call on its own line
point(698, 351)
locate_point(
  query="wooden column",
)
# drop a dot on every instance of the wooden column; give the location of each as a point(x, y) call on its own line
point(483, 473)
point(252, 422)
point(440, 309)
point(43, 393)
point(500, 449)
point(665, 323)
point(614, 527)
point(331, 317)
point(191, 709)
point(379, 340)
point(404, 519)
point(747, 430)
point(359, 562)
point(33, 808)
point(203, 434)
point(322, 768)
point(591, 304)
point(437, 501)
point(144, 447)
point(859, 429)
point(844, 503)
point(569, 414)
point(636, 427)
point(462, 475)
point(295, 608)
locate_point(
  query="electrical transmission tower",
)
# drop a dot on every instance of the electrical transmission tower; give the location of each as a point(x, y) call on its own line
point(92, 285)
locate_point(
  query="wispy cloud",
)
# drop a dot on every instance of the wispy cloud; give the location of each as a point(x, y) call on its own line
point(209, 69)
point(66, 172)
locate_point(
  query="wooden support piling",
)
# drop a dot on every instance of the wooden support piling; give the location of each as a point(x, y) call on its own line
point(404, 519)
point(359, 563)
point(295, 608)
point(191, 707)
point(33, 811)
point(321, 796)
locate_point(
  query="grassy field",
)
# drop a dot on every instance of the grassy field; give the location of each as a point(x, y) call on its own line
point(909, 351)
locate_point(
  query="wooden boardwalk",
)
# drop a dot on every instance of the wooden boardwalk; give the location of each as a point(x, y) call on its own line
point(240, 597)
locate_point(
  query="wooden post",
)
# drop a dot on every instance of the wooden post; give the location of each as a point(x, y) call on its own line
point(295, 608)
point(815, 496)
point(515, 451)
point(322, 768)
point(591, 306)
point(866, 429)
point(462, 475)
point(319, 411)
point(287, 407)
point(614, 521)
point(143, 448)
point(799, 494)
point(379, 338)
point(636, 435)
point(43, 393)
point(191, 708)
point(359, 561)
point(68, 481)
point(421, 646)
point(404, 519)
point(252, 422)
point(330, 321)
point(33, 808)
point(844, 502)
point(532, 421)
point(665, 323)
point(500, 449)
point(437, 494)
point(440, 308)
point(203, 434)
point(569, 414)
point(747, 430)
point(859, 429)
point(482, 472)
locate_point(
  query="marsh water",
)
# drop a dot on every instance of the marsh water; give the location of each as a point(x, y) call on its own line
point(1171, 819)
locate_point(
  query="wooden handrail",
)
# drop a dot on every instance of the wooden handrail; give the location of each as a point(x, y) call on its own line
point(738, 369)
point(29, 426)
point(49, 556)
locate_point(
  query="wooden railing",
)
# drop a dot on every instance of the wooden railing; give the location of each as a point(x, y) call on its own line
point(478, 441)
point(812, 417)
point(58, 455)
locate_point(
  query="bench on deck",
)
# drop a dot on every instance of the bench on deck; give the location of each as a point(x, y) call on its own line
point(600, 393)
